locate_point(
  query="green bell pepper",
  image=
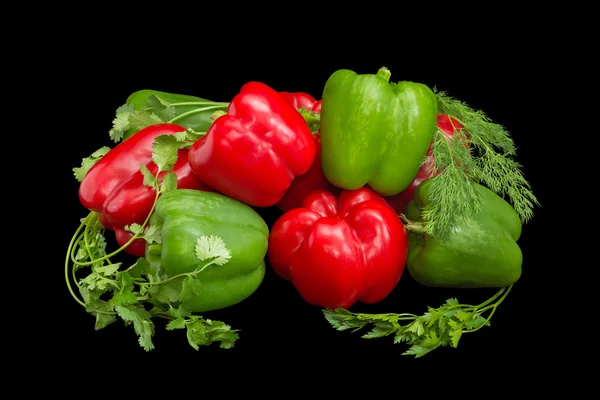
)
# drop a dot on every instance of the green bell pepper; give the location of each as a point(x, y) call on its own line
point(481, 250)
point(184, 215)
point(375, 132)
point(188, 111)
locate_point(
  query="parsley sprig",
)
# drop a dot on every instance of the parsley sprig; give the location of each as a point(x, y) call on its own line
point(139, 293)
point(438, 327)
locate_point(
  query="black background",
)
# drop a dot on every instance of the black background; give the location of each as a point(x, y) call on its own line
point(277, 327)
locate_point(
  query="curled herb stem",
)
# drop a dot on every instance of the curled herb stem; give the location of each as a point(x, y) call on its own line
point(69, 250)
point(134, 237)
point(493, 307)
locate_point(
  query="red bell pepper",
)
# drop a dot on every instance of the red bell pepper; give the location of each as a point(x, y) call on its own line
point(254, 151)
point(114, 185)
point(299, 100)
point(340, 250)
point(314, 178)
point(447, 125)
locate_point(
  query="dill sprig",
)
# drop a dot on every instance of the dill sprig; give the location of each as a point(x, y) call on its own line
point(480, 152)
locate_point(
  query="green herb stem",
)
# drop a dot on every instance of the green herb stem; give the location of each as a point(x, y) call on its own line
point(134, 237)
point(188, 274)
point(191, 112)
point(69, 250)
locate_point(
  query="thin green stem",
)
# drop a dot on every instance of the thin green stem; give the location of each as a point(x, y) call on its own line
point(71, 243)
point(494, 297)
point(201, 103)
point(493, 307)
point(195, 111)
point(190, 274)
point(134, 237)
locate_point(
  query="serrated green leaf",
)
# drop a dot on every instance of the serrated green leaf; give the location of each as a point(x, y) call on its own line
point(181, 136)
point(462, 315)
point(168, 292)
point(212, 248)
point(103, 320)
point(417, 350)
point(191, 288)
point(178, 323)
point(178, 312)
point(220, 332)
point(197, 334)
point(455, 335)
point(476, 321)
point(107, 269)
point(139, 120)
point(416, 327)
point(169, 182)
point(381, 329)
point(121, 122)
point(165, 151)
point(343, 320)
point(134, 228)
point(89, 162)
point(153, 234)
point(163, 109)
point(149, 178)
point(140, 268)
point(451, 302)
point(142, 323)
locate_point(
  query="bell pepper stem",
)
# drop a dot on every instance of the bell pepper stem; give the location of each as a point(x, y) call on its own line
point(310, 117)
point(412, 226)
point(155, 249)
point(384, 73)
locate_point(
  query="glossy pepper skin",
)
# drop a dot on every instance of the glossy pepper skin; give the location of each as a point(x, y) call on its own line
point(374, 132)
point(182, 216)
point(300, 100)
point(448, 126)
point(188, 111)
point(313, 179)
point(481, 252)
point(340, 250)
point(113, 187)
point(254, 151)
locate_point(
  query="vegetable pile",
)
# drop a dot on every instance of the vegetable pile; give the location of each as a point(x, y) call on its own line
point(375, 179)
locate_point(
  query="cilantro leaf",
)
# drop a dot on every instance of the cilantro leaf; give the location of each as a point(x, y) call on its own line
point(149, 178)
point(169, 182)
point(140, 268)
point(139, 120)
point(165, 151)
point(121, 122)
point(134, 228)
point(142, 323)
point(103, 320)
point(203, 332)
point(190, 288)
point(144, 291)
point(89, 162)
point(168, 292)
point(162, 108)
point(153, 234)
point(178, 323)
point(212, 247)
